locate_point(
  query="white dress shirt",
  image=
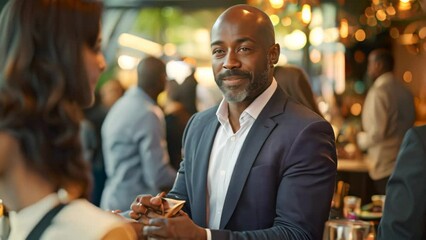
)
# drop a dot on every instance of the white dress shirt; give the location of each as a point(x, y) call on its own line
point(225, 152)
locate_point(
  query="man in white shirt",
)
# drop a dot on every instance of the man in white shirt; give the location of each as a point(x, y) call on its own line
point(258, 166)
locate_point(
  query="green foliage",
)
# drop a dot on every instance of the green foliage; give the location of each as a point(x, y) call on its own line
point(172, 24)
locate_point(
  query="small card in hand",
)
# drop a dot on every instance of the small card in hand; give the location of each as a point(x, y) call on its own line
point(174, 206)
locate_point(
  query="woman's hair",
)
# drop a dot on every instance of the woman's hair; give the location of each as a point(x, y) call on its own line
point(294, 81)
point(44, 83)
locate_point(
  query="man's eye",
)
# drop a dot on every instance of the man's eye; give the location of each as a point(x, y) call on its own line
point(218, 51)
point(244, 49)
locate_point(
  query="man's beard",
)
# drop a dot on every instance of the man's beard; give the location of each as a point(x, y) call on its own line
point(244, 94)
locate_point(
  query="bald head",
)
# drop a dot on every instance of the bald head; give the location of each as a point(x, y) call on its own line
point(243, 53)
point(246, 16)
point(152, 76)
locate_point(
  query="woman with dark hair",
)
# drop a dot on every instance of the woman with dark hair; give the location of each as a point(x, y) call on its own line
point(294, 81)
point(50, 62)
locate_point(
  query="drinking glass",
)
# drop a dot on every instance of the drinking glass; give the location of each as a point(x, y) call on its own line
point(351, 207)
point(344, 229)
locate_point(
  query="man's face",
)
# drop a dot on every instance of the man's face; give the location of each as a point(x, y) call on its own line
point(240, 61)
point(372, 67)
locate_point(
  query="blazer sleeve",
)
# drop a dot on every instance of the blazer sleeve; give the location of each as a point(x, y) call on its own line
point(305, 190)
point(405, 208)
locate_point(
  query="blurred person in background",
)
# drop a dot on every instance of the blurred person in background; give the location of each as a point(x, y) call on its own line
point(107, 95)
point(404, 215)
point(110, 92)
point(134, 141)
point(92, 145)
point(259, 165)
point(294, 81)
point(387, 114)
point(50, 62)
point(176, 116)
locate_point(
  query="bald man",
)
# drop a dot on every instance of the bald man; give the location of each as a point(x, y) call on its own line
point(259, 165)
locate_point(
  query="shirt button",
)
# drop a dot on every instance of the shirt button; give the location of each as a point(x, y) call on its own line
point(233, 138)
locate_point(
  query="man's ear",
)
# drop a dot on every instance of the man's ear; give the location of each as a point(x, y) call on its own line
point(274, 54)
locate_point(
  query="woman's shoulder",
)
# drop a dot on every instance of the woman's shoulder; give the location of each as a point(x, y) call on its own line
point(82, 220)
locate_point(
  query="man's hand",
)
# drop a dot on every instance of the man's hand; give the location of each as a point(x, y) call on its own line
point(180, 227)
point(141, 206)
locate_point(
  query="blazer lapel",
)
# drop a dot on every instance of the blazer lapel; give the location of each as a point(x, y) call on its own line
point(258, 134)
point(200, 167)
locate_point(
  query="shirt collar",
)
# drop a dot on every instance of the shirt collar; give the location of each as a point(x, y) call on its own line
point(253, 109)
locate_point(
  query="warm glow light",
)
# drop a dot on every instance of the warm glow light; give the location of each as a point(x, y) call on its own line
point(404, 5)
point(306, 13)
point(315, 56)
point(390, 10)
point(369, 12)
point(283, 60)
point(394, 33)
point(201, 35)
point(422, 33)
point(274, 19)
point(331, 35)
point(360, 35)
point(323, 106)
point(141, 44)
point(204, 76)
point(178, 70)
point(286, 21)
point(317, 18)
point(295, 40)
point(127, 62)
point(408, 39)
point(356, 109)
point(276, 3)
point(381, 15)
point(169, 49)
point(316, 36)
point(344, 28)
point(339, 72)
point(407, 76)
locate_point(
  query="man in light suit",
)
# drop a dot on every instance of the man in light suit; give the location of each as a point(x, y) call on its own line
point(133, 141)
point(387, 114)
point(404, 215)
point(258, 166)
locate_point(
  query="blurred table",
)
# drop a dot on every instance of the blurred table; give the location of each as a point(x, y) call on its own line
point(352, 165)
point(355, 172)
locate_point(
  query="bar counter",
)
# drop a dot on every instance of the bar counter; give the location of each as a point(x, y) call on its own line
point(352, 165)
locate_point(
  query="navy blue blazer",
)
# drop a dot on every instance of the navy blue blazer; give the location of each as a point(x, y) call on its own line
point(283, 180)
point(404, 215)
